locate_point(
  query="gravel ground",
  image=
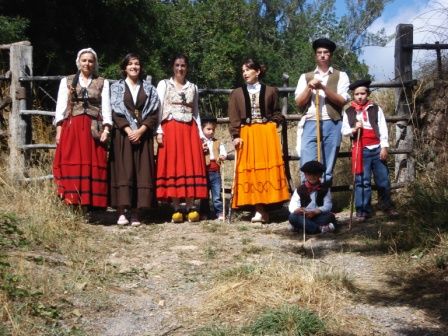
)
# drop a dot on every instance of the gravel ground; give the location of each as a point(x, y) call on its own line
point(166, 270)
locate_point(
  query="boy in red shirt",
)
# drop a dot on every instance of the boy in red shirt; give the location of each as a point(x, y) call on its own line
point(369, 154)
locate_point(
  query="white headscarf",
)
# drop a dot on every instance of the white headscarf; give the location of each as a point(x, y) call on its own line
point(83, 51)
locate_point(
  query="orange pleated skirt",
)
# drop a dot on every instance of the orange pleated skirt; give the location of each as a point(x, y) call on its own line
point(260, 172)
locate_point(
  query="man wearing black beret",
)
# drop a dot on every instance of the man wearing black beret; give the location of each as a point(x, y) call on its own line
point(331, 87)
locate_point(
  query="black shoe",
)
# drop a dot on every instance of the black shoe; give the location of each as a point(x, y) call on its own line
point(360, 217)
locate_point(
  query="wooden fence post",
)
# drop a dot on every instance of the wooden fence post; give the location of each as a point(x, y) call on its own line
point(284, 133)
point(404, 137)
point(21, 65)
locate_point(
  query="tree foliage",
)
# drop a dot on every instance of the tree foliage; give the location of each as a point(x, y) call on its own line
point(217, 35)
point(12, 29)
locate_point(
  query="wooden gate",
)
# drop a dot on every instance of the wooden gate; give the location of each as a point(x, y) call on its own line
point(20, 128)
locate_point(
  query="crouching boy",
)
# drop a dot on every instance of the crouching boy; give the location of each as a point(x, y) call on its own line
point(311, 202)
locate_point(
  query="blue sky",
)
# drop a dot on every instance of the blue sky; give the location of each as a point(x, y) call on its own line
point(391, 9)
point(429, 20)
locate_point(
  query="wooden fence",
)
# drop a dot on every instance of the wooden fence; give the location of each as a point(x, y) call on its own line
point(20, 129)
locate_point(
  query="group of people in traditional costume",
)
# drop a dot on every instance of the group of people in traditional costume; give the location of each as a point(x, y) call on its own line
point(132, 113)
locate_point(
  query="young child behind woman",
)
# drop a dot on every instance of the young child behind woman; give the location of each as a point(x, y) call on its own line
point(369, 154)
point(215, 154)
point(311, 202)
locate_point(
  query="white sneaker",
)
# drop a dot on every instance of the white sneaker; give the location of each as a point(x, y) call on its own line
point(258, 218)
point(327, 228)
point(122, 220)
point(135, 222)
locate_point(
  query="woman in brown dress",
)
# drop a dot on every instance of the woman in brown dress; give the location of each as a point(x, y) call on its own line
point(135, 105)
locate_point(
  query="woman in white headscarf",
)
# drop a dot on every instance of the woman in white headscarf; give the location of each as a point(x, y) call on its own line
point(83, 121)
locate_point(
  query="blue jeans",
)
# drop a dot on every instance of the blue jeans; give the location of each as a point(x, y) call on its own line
point(363, 186)
point(311, 224)
point(214, 185)
point(330, 141)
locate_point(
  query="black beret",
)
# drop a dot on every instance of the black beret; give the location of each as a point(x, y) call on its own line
point(313, 167)
point(361, 82)
point(324, 43)
point(209, 118)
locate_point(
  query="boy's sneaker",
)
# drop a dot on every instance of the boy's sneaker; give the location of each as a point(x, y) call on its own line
point(135, 221)
point(360, 217)
point(177, 217)
point(391, 212)
point(193, 216)
point(221, 217)
point(327, 228)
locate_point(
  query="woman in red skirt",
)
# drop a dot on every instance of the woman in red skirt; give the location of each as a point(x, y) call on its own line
point(181, 172)
point(80, 162)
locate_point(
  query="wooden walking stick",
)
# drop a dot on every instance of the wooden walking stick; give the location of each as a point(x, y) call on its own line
point(316, 103)
point(352, 198)
point(304, 234)
point(223, 191)
point(234, 185)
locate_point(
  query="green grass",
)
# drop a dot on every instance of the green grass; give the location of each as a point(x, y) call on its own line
point(253, 249)
point(243, 271)
point(246, 241)
point(288, 321)
point(210, 252)
point(425, 223)
point(216, 331)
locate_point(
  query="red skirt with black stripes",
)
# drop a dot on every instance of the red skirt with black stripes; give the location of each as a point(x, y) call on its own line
point(80, 164)
point(181, 169)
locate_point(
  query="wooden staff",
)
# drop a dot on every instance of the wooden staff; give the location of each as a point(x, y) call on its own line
point(234, 185)
point(318, 125)
point(304, 234)
point(352, 198)
point(223, 191)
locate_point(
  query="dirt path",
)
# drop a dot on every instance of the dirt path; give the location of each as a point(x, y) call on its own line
point(163, 271)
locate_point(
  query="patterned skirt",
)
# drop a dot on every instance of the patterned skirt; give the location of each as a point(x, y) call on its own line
point(260, 173)
point(181, 169)
point(80, 164)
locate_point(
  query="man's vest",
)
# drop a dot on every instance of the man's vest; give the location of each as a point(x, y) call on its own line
point(333, 110)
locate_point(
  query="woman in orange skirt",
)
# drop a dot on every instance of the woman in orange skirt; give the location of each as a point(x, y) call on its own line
point(254, 116)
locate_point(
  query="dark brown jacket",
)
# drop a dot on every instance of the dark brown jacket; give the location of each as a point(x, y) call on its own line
point(240, 111)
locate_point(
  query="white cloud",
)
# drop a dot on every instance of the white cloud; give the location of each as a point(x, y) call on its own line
point(430, 25)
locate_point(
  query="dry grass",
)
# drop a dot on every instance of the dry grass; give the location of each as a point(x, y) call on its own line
point(240, 294)
point(54, 260)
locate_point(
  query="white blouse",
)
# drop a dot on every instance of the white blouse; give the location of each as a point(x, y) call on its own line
point(161, 90)
point(62, 101)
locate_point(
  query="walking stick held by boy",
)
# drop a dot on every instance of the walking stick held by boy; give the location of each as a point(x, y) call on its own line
point(352, 196)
